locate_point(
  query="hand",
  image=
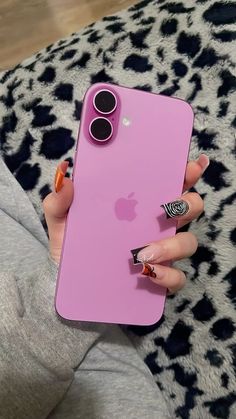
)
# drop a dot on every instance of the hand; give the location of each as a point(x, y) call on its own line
point(183, 245)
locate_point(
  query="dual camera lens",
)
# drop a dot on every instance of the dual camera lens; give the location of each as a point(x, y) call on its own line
point(105, 103)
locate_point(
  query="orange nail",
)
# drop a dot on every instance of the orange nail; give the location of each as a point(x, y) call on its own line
point(60, 174)
point(148, 270)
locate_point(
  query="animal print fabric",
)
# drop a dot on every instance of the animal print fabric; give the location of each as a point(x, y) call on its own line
point(181, 48)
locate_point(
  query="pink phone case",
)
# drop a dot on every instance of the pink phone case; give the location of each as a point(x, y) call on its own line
point(119, 188)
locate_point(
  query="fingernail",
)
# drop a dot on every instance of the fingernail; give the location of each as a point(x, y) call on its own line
point(60, 174)
point(204, 161)
point(135, 253)
point(176, 208)
point(147, 253)
point(148, 270)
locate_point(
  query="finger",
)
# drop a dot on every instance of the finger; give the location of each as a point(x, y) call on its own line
point(185, 209)
point(195, 170)
point(178, 247)
point(195, 208)
point(56, 204)
point(167, 277)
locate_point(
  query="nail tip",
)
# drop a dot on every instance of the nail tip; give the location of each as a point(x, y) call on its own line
point(134, 253)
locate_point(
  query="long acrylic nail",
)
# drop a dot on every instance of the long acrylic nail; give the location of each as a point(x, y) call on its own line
point(135, 253)
point(149, 253)
point(204, 161)
point(60, 174)
point(176, 208)
point(148, 270)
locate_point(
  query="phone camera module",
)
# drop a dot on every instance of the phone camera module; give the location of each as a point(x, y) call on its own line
point(101, 129)
point(105, 102)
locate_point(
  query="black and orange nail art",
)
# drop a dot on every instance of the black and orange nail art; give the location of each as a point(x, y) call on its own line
point(148, 270)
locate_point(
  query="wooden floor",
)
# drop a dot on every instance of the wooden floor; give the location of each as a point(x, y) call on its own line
point(26, 26)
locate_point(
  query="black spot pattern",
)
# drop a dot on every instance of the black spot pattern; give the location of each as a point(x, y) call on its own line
point(214, 267)
point(78, 110)
point(228, 83)
point(233, 236)
point(139, 5)
point(44, 191)
point(214, 357)
point(171, 90)
point(81, 62)
point(13, 161)
point(174, 7)
point(189, 402)
point(223, 109)
point(9, 124)
point(231, 278)
point(48, 75)
point(204, 309)
point(137, 63)
point(203, 254)
point(116, 27)
point(205, 139)
point(28, 176)
point(162, 78)
point(145, 87)
point(220, 13)
point(64, 91)
point(56, 142)
point(138, 38)
point(182, 306)
point(220, 408)
point(224, 380)
point(183, 377)
point(180, 69)
point(223, 329)
point(196, 80)
point(207, 58)
point(100, 77)
point(151, 361)
point(214, 175)
point(70, 53)
point(169, 26)
point(94, 37)
point(225, 36)
point(147, 21)
point(233, 354)
point(42, 116)
point(188, 44)
point(177, 343)
point(160, 53)
point(9, 99)
point(111, 18)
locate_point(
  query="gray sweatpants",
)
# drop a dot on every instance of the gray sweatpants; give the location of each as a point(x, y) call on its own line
point(49, 368)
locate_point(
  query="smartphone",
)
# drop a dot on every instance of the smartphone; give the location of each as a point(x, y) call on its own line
point(131, 158)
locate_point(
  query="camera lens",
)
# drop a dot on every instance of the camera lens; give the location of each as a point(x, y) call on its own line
point(101, 129)
point(105, 102)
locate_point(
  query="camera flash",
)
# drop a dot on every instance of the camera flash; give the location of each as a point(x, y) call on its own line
point(126, 122)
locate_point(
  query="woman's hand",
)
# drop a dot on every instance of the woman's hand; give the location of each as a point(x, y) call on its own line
point(185, 209)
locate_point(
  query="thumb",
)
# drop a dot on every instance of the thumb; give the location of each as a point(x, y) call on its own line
point(56, 206)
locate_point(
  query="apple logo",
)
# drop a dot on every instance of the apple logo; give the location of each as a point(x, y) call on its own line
point(125, 208)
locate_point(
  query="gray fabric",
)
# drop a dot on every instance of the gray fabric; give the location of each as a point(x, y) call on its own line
point(39, 352)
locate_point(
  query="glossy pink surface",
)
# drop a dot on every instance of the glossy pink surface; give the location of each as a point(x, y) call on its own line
point(118, 189)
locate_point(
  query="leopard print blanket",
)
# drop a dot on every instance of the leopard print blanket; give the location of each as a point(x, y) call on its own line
point(183, 48)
